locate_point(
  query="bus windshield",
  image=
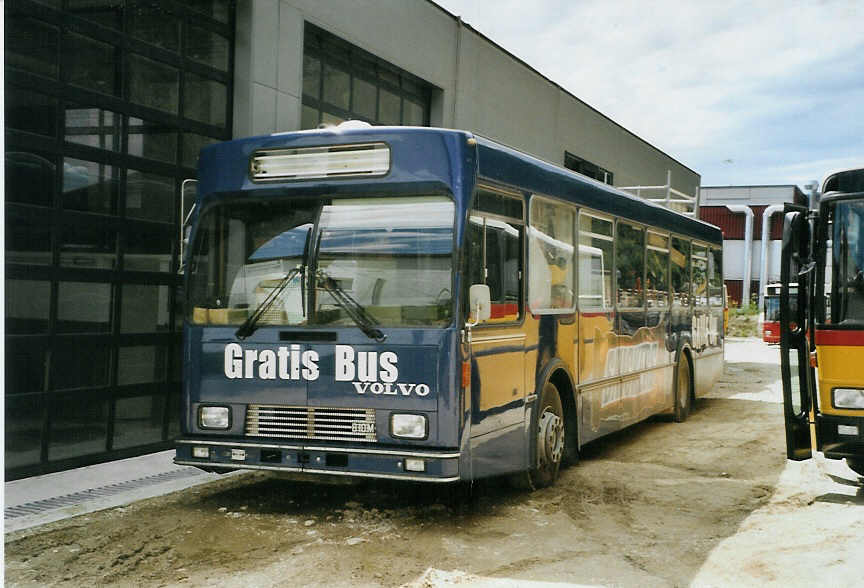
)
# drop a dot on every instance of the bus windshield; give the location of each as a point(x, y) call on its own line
point(392, 256)
point(847, 304)
point(772, 308)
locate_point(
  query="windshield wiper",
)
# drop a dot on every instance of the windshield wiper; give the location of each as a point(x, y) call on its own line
point(352, 308)
point(249, 326)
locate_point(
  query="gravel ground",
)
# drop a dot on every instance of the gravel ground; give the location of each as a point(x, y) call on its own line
point(711, 501)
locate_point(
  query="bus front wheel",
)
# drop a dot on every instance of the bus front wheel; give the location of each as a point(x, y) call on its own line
point(683, 380)
point(550, 435)
point(550, 438)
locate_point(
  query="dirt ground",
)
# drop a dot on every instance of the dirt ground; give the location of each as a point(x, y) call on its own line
point(711, 501)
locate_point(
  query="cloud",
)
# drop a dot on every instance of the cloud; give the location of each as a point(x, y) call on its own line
point(776, 84)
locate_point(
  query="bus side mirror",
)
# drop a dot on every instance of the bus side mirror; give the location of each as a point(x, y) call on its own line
point(188, 193)
point(791, 243)
point(480, 303)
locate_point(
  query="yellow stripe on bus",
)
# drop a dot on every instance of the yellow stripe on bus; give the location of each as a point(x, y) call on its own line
point(839, 366)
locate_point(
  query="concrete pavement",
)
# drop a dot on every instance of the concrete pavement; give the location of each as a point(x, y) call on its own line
point(51, 497)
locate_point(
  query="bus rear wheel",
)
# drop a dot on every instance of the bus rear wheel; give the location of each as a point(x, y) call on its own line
point(682, 389)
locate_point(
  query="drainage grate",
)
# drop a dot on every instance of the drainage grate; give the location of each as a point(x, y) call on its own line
point(39, 506)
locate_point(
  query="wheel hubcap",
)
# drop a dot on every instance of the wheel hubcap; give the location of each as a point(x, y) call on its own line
point(550, 441)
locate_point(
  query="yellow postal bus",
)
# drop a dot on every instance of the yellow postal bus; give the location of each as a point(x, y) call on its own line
point(822, 340)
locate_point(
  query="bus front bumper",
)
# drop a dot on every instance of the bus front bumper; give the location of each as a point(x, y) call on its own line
point(841, 436)
point(394, 464)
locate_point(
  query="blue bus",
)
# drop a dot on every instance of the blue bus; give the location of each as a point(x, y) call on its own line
point(429, 305)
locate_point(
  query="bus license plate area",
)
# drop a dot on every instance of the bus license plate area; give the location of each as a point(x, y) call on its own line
point(432, 466)
point(362, 428)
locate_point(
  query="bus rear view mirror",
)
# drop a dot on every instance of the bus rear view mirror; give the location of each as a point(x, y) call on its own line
point(796, 237)
point(480, 303)
point(795, 265)
point(188, 197)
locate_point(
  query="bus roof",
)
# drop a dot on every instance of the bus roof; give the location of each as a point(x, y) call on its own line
point(418, 155)
point(434, 156)
point(853, 176)
point(509, 166)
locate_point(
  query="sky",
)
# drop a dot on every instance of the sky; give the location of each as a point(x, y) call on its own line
point(745, 93)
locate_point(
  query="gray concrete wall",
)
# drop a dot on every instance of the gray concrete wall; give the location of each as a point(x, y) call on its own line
point(480, 87)
point(268, 67)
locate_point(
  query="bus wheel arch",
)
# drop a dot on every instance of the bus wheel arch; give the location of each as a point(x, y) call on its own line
point(564, 386)
point(550, 426)
point(547, 429)
point(683, 386)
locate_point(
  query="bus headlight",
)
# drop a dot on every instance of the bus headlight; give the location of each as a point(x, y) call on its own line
point(408, 426)
point(214, 417)
point(848, 397)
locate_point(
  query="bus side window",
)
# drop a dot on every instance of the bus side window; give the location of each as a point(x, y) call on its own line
point(826, 261)
point(631, 263)
point(595, 262)
point(493, 253)
point(679, 256)
point(474, 267)
point(657, 270)
point(550, 251)
point(700, 275)
point(590, 277)
point(503, 262)
point(504, 268)
point(715, 277)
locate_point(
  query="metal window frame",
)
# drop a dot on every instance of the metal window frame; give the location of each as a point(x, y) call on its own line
point(56, 217)
point(351, 59)
point(570, 159)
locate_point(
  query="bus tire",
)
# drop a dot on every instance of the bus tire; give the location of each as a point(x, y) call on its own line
point(683, 385)
point(551, 444)
point(856, 465)
point(551, 433)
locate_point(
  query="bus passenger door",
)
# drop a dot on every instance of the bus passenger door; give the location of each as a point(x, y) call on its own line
point(598, 341)
point(798, 376)
point(494, 258)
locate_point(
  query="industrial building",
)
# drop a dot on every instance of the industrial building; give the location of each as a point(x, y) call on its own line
point(107, 105)
point(742, 213)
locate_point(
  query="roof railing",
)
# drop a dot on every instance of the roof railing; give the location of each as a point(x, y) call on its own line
point(673, 199)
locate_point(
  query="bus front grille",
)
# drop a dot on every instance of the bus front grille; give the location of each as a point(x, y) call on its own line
point(310, 422)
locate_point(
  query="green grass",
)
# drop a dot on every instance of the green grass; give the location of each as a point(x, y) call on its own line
point(750, 309)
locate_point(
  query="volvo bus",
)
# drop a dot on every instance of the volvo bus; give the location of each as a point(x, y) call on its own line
point(429, 305)
point(823, 378)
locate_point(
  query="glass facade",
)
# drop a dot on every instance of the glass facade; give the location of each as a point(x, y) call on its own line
point(107, 103)
point(342, 82)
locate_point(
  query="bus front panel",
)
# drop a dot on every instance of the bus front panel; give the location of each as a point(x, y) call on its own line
point(320, 336)
point(840, 341)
